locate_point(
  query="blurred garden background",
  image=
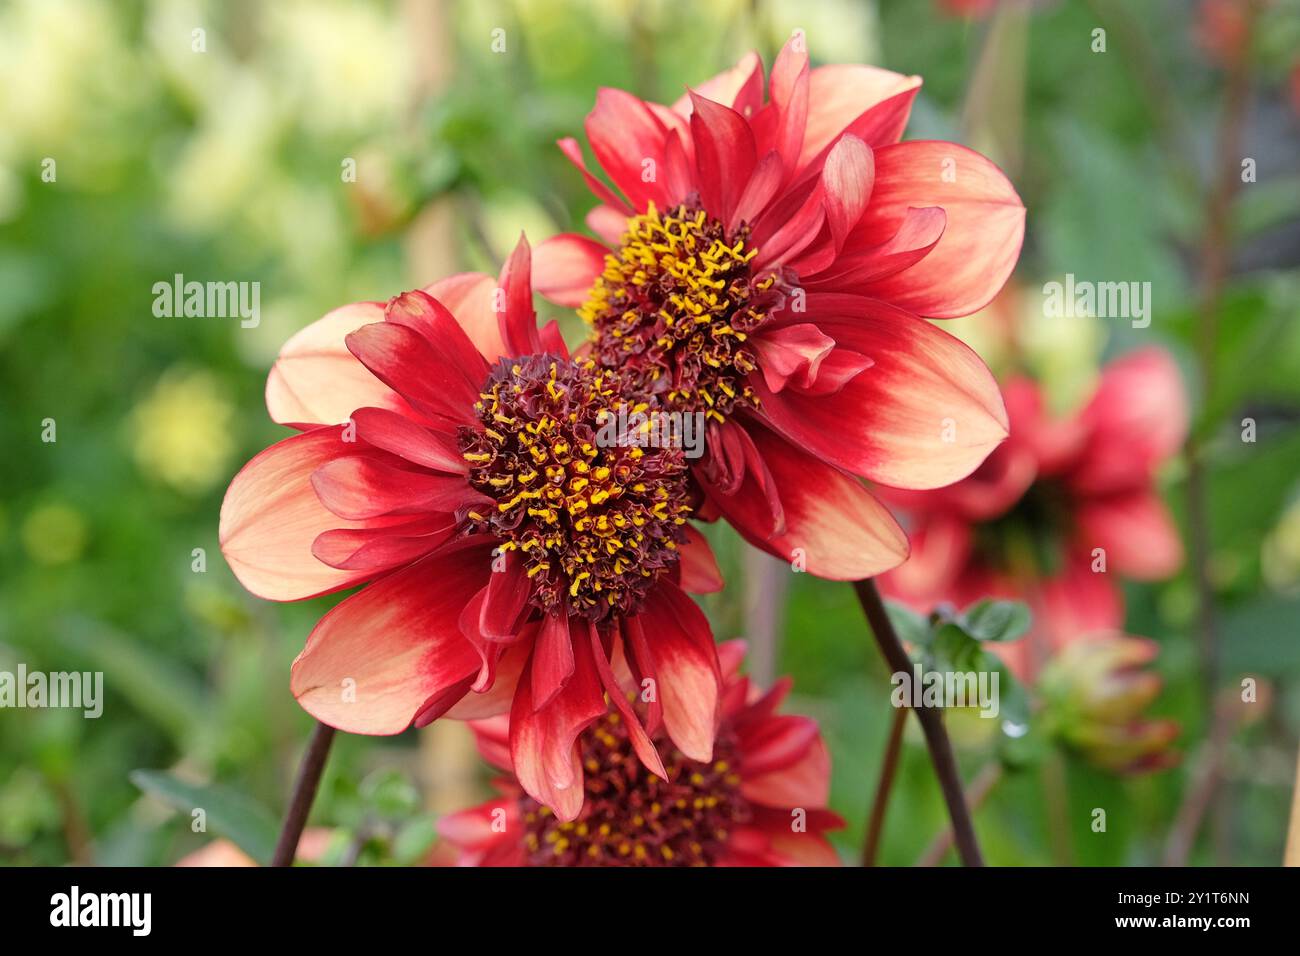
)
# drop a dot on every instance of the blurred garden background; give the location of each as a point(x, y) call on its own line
point(140, 140)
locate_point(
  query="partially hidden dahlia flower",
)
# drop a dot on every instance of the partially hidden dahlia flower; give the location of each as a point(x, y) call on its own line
point(1057, 512)
point(760, 800)
point(1096, 694)
point(447, 460)
point(765, 266)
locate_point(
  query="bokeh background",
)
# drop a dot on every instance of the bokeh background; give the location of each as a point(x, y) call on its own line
point(218, 155)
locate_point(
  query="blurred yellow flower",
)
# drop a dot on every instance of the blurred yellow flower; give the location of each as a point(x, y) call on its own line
point(54, 534)
point(1280, 554)
point(181, 431)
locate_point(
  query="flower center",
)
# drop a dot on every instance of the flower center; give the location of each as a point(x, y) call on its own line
point(674, 308)
point(595, 526)
point(631, 817)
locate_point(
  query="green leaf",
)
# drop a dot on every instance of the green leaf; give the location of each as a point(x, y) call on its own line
point(991, 620)
point(248, 824)
point(910, 627)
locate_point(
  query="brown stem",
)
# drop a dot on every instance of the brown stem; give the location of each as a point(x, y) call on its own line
point(304, 793)
point(936, 735)
point(1291, 855)
point(976, 794)
point(884, 786)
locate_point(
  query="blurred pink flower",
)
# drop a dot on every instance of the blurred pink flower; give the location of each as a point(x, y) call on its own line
point(1058, 502)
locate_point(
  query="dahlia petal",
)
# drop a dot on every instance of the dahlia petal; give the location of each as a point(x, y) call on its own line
point(569, 146)
point(1076, 603)
point(543, 743)
point(725, 156)
point(552, 659)
point(777, 743)
point(793, 235)
point(686, 664)
point(492, 739)
point(641, 743)
point(1135, 530)
point(565, 266)
point(476, 829)
point(679, 173)
point(805, 782)
point(372, 663)
point(846, 183)
point(791, 351)
point(982, 238)
point(762, 186)
point(518, 322)
point(404, 360)
point(918, 234)
point(1136, 419)
point(359, 487)
point(790, 103)
point(468, 295)
point(399, 435)
point(735, 471)
point(376, 549)
point(624, 132)
point(494, 689)
point(740, 88)
point(925, 414)
point(609, 223)
point(840, 94)
point(508, 590)
point(833, 525)
point(421, 312)
point(803, 849)
point(317, 381)
point(271, 516)
point(640, 661)
point(700, 573)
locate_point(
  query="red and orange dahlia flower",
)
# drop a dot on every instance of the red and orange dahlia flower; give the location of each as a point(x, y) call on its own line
point(766, 265)
point(760, 801)
point(447, 459)
point(1056, 511)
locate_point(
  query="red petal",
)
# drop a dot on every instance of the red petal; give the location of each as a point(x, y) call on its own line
point(1136, 531)
point(685, 661)
point(401, 436)
point(724, 155)
point(552, 659)
point(926, 413)
point(980, 244)
point(373, 662)
point(624, 132)
point(271, 516)
point(699, 568)
point(566, 266)
point(317, 381)
point(468, 295)
point(641, 743)
point(543, 743)
point(834, 527)
point(405, 361)
point(518, 322)
point(360, 487)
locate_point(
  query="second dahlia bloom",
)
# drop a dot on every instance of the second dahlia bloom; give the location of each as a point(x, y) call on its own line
point(765, 266)
point(760, 801)
point(448, 460)
point(1057, 512)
